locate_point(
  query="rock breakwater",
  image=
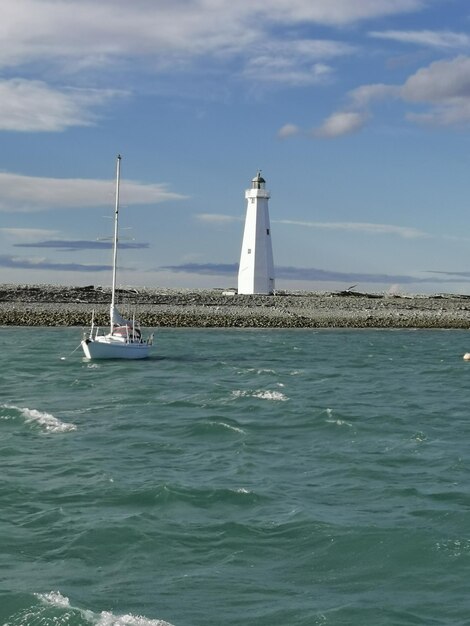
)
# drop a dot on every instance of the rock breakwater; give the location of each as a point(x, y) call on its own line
point(46, 305)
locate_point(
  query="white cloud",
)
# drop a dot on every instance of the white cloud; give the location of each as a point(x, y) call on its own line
point(81, 38)
point(217, 218)
point(89, 33)
point(362, 96)
point(27, 105)
point(74, 37)
point(361, 227)
point(335, 12)
point(28, 193)
point(431, 38)
point(448, 115)
point(443, 85)
point(288, 130)
point(294, 62)
point(285, 71)
point(307, 49)
point(340, 123)
point(442, 81)
point(27, 234)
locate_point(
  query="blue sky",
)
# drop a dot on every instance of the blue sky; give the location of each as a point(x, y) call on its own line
point(356, 111)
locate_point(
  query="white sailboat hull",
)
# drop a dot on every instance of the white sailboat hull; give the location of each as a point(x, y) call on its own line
point(110, 347)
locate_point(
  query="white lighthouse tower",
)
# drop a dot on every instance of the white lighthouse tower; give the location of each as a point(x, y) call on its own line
point(256, 271)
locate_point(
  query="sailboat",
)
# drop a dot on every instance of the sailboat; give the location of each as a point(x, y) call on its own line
point(124, 339)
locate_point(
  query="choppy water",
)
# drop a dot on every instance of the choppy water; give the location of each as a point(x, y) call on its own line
point(236, 478)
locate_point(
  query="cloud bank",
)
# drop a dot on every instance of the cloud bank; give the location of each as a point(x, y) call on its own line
point(32, 193)
point(83, 33)
point(361, 227)
point(75, 245)
point(70, 45)
point(304, 274)
point(431, 38)
point(32, 105)
point(443, 87)
point(13, 262)
point(406, 232)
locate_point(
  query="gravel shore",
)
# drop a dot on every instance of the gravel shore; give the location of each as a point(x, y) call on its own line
point(46, 305)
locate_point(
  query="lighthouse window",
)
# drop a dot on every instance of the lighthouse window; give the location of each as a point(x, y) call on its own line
point(249, 250)
point(267, 231)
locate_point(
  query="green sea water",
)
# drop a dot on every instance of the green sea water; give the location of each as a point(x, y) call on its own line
point(237, 477)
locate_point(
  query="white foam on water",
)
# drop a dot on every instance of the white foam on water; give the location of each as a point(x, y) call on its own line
point(105, 618)
point(339, 423)
point(37, 615)
point(332, 420)
point(109, 619)
point(54, 598)
point(229, 427)
point(270, 395)
point(454, 547)
point(45, 420)
point(261, 394)
point(238, 393)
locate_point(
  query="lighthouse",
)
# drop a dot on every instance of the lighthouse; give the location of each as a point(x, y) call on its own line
point(256, 271)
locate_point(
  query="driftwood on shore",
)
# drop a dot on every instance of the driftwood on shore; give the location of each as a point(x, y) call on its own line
point(45, 305)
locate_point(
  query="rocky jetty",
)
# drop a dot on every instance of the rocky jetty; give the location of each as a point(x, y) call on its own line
point(46, 305)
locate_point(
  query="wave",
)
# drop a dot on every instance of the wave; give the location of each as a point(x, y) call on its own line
point(261, 394)
point(261, 370)
point(334, 420)
point(270, 395)
point(236, 429)
point(46, 421)
point(215, 426)
point(162, 495)
point(54, 608)
point(200, 497)
point(454, 547)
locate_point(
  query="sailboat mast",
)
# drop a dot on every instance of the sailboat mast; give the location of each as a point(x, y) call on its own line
point(115, 242)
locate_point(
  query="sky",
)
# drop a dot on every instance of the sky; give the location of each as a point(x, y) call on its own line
point(357, 113)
